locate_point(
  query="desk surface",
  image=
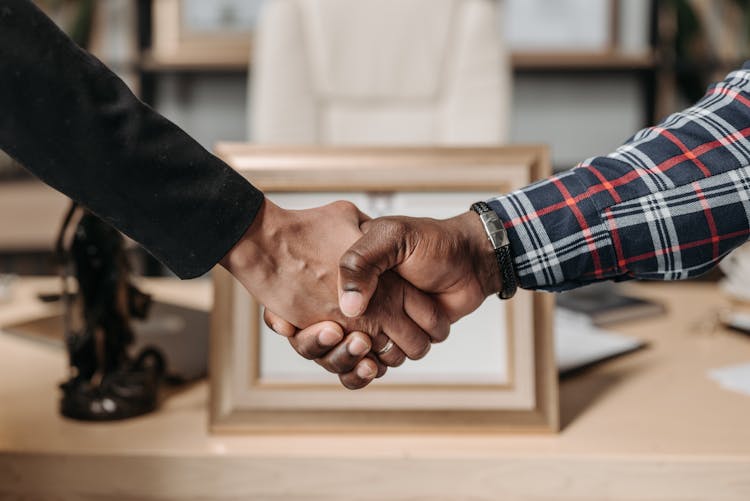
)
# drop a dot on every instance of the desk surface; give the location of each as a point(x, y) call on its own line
point(651, 420)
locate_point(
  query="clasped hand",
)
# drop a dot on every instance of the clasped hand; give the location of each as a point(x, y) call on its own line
point(339, 285)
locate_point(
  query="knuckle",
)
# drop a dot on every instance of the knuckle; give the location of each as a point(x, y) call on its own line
point(354, 262)
point(418, 351)
point(397, 360)
point(434, 324)
point(306, 350)
point(325, 364)
point(278, 324)
point(344, 205)
point(440, 332)
point(340, 365)
point(334, 366)
point(353, 383)
point(267, 319)
point(393, 226)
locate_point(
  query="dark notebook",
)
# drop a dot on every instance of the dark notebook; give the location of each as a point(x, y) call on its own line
point(605, 305)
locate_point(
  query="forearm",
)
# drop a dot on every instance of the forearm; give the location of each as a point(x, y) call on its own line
point(667, 205)
point(76, 126)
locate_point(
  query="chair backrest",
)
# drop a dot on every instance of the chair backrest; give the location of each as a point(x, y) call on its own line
point(379, 72)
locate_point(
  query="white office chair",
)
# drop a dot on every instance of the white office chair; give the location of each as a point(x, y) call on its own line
point(342, 72)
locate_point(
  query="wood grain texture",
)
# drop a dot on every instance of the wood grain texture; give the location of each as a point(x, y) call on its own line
point(367, 479)
point(650, 425)
point(576, 61)
point(310, 169)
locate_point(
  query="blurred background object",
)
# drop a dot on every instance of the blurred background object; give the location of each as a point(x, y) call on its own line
point(551, 85)
point(579, 75)
point(30, 212)
point(6, 287)
point(533, 71)
point(9, 168)
point(104, 382)
point(701, 41)
point(383, 72)
point(736, 268)
point(75, 17)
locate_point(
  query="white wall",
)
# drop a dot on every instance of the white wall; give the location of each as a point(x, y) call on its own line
point(578, 116)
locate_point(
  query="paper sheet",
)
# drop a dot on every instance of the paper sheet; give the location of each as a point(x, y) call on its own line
point(734, 378)
point(579, 343)
point(6, 286)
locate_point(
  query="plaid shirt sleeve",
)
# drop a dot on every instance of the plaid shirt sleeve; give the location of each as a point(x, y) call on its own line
point(667, 205)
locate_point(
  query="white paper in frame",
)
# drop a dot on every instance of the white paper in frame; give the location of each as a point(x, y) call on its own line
point(496, 371)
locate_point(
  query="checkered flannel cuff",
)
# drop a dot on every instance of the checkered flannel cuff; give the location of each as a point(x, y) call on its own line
point(557, 235)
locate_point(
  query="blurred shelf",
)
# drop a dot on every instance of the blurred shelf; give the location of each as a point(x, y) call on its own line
point(202, 60)
point(195, 61)
point(30, 215)
point(578, 61)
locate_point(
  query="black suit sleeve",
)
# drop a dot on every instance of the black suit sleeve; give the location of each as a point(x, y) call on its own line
point(76, 126)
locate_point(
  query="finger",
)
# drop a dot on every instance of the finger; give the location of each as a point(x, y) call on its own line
point(393, 357)
point(317, 340)
point(408, 336)
point(364, 219)
point(345, 356)
point(380, 249)
point(426, 313)
point(365, 372)
point(382, 368)
point(278, 324)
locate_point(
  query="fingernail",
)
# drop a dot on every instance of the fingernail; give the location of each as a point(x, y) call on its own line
point(329, 337)
point(351, 303)
point(358, 347)
point(365, 371)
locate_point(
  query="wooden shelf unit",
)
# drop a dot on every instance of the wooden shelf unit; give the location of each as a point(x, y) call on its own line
point(574, 61)
point(208, 61)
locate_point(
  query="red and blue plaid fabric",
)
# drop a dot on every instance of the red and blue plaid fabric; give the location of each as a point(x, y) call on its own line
point(667, 205)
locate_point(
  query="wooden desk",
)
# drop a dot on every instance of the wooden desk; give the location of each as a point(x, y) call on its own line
point(650, 425)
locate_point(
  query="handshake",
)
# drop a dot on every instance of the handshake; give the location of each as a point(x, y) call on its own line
point(358, 295)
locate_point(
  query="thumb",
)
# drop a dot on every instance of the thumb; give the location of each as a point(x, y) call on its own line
point(379, 249)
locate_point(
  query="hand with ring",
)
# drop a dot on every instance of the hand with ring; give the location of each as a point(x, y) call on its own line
point(450, 259)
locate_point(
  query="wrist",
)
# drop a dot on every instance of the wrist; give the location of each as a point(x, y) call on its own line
point(252, 259)
point(481, 252)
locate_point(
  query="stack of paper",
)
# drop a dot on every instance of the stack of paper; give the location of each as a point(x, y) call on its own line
point(734, 378)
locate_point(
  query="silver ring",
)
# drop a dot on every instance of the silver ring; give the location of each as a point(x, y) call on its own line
point(385, 349)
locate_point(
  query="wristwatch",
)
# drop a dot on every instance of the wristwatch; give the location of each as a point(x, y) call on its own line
point(498, 237)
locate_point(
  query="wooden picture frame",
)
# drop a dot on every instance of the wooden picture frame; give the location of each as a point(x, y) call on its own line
point(244, 398)
point(175, 45)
